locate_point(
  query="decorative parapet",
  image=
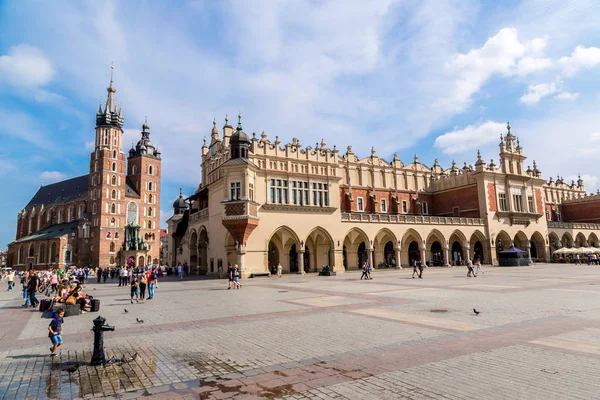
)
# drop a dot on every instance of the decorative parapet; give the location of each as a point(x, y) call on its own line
point(202, 214)
point(584, 198)
point(573, 225)
point(410, 219)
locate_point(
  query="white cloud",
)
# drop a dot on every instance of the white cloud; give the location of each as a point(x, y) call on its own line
point(566, 96)
point(537, 92)
point(48, 177)
point(25, 66)
point(528, 65)
point(502, 54)
point(469, 138)
point(580, 58)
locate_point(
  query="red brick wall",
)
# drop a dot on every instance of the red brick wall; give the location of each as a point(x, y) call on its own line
point(581, 212)
point(465, 198)
point(539, 203)
point(492, 199)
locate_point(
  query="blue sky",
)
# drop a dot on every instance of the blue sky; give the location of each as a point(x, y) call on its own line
point(437, 78)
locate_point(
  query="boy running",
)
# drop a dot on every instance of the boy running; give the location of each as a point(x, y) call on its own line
point(55, 331)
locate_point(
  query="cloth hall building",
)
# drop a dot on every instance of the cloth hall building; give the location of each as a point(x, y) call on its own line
point(262, 203)
point(105, 218)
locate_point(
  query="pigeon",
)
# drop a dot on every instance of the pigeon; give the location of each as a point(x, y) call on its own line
point(476, 312)
point(140, 321)
point(71, 369)
point(126, 311)
point(128, 360)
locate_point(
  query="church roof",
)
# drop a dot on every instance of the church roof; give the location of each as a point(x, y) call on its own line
point(50, 232)
point(60, 192)
point(130, 189)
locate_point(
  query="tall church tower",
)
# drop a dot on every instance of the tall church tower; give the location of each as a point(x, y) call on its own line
point(107, 184)
point(143, 175)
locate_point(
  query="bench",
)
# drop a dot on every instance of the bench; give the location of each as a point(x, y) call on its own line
point(259, 274)
point(70, 309)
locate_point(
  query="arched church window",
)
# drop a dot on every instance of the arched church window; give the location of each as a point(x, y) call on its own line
point(114, 180)
point(133, 170)
point(116, 235)
point(113, 194)
point(150, 211)
point(113, 208)
point(42, 255)
point(114, 154)
point(30, 253)
point(149, 224)
point(150, 169)
point(114, 167)
point(112, 222)
point(150, 199)
point(108, 235)
point(94, 208)
point(116, 139)
point(106, 137)
point(96, 166)
point(112, 247)
point(150, 186)
point(20, 258)
point(132, 213)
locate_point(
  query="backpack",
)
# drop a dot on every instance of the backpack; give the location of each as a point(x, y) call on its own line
point(153, 276)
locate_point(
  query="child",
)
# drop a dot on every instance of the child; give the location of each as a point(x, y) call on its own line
point(134, 290)
point(55, 331)
point(236, 277)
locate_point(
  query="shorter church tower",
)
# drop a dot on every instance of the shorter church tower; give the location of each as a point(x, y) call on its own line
point(143, 176)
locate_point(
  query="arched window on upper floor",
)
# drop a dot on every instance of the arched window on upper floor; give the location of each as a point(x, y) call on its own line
point(133, 170)
point(114, 167)
point(113, 208)
point(113, 194)
point(114, 180)
point(150, 198)
point(112, 247)
point(114, 154)
point(21, 257)
point(106, 137)
point(96, 166)
point(150, 186)
point(116, 139)
point(150, 170)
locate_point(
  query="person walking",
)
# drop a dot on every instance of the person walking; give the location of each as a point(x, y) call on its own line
point(121, 275)
point(24, 284)
point(10, 277)
point(180, 271)
point(478, 266)
point(104, 275)
point(364, 271)
point(151, 274)
point(54, 282)
point(135, 290)
point(229, 276)
point(369, 271)
point(470, 268)
point(143, 283)
point(236, 277)
point(279, 270)
point(32, 288)
point(415, 268)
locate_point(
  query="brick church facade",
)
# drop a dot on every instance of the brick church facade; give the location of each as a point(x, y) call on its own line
point(105, 218)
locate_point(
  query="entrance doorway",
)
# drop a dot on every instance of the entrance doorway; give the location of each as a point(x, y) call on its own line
point(478, 251)
point(437, 255)
point(362, 254)
point(293, 259)
point(413, 252)
point(457, 253)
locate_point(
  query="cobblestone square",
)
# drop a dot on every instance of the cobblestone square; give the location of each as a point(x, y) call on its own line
point(537, 336)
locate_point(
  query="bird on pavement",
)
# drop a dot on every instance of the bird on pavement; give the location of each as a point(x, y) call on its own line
point(140, 321)
point(71, 369)
point(476, 312)
point(126, 311)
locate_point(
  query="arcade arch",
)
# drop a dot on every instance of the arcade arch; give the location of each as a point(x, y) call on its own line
point(479, 247)
point(412, 246)
point(385, 245)
point(356, 246)
point(318, 250)
point(538, 247)
point(435, 248)
point(283, 248)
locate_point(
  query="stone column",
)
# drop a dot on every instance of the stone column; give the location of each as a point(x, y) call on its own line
point(370, 250)
point(529, 253)
point(398, 259)
point(240, 260)
point(447, 256)
point(468, 247)
point(423, 256)
point(338, 261)
point(301, 262)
